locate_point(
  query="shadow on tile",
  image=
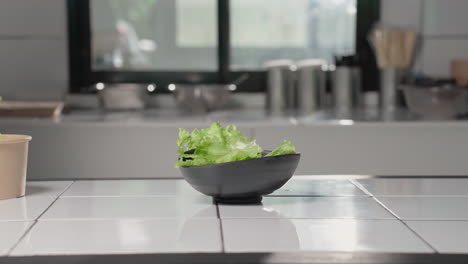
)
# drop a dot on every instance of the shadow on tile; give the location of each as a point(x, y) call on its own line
point(38, 190)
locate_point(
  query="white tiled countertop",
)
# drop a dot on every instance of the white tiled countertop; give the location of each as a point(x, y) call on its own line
point(391, 215)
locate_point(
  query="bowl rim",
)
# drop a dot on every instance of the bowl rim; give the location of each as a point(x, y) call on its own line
point(242, 161)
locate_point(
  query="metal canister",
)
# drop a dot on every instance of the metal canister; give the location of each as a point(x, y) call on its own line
point(346, 86)
point(281, 95)
point(390, 79)
point(311, 85)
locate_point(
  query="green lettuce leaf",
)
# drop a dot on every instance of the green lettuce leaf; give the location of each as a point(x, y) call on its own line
point(284, 149)
point(214, 145)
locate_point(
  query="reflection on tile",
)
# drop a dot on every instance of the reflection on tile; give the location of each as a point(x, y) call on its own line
point(444, 236)
point(272, 235)
point(121, 236)
point(309, 207)
point(131, 207)
point(308, 186)
point(427, 208)
point(46, 188)
point(131, 188)
point(11, 232)
point(26, 208)
point(416, 187)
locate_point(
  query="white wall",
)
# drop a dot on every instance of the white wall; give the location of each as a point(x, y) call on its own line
point(33, 49)
point(443, 25)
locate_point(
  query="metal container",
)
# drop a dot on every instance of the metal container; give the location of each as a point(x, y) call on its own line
point(121, 97)
point(438, 102)
point(311, 85)
point(389, 81)
point(281, 95)
point(346, 87)
point(201, 97)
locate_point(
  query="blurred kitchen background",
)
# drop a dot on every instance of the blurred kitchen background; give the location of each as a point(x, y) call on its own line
point(104, 85)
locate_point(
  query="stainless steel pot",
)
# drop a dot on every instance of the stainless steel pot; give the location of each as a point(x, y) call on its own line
point(120, 97)
point(438, 102)
point(201, 97)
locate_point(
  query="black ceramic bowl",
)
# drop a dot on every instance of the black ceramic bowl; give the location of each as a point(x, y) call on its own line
point(244, 181)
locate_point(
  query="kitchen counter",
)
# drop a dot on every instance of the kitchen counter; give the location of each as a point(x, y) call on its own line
point(255, 115)
point(115, 145)
point(309, 220)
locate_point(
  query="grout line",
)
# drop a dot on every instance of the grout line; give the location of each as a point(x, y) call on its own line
point(36, 220)
point(362, 188)
point(405, 224)
point(220, 228)
point(386, 208)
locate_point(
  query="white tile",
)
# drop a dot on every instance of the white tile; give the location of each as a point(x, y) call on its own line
point(444, 236)
point(131, 207)
point(11, 232)
point(33, 69)
point(26, 208)
point(437, 54)
point(445, 17)
point(131, 188)
point(416, 187)
point(273, 235)
point(46, 188)
point(308, 207)
point(402, 13)
point(427, 208)
point(36, 18)
point(309, 186)
point(121, 236)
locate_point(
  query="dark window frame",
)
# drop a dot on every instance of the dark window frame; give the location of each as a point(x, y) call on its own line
point(82, 77)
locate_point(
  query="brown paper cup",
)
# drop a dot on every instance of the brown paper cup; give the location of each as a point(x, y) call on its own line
point(13, 165)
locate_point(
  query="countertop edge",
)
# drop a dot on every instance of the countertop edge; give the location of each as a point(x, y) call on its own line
point(241, 258)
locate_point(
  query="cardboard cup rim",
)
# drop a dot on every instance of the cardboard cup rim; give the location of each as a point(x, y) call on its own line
point(11, 138)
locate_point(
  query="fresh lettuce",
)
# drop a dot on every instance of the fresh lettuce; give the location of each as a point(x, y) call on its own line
point(284, 149)
point(216, 144)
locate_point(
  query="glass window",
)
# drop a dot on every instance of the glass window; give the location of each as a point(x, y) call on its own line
point(263, 30)
point(154, 35)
